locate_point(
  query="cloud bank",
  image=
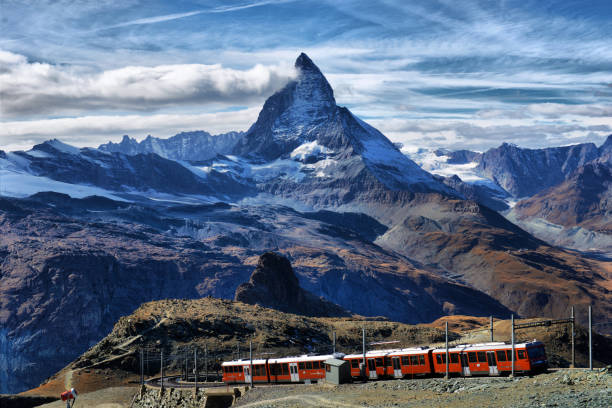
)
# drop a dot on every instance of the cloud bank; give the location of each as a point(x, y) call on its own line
point(40, 88)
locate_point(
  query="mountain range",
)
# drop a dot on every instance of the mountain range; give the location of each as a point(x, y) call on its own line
point(90, 234)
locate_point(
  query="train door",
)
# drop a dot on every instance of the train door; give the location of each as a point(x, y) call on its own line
point(372, 368)
point(293, 370)
point(247, 374)
point(397, 368)
point(465, 367)
point(492, 363)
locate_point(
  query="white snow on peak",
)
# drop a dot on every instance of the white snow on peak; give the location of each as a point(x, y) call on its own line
point(438, 164)
point(63, 147)
point(38, 154)
point(307, 150)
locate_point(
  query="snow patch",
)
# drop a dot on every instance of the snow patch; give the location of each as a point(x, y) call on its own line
point(20, 184)
point(309, 150)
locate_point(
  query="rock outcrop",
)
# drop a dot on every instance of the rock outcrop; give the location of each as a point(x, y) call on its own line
point(274, 284)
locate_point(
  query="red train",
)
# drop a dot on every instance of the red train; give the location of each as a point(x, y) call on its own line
point(491, 359)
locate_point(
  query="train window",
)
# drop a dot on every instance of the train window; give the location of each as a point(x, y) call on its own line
point(379, 362)
point(371, 365)
point(501, 355)
point(454, 358)
point(285, 369)
point(318, 365)
point(536, 353)
point(302, 366)
point(272, 369)
point(439, 358)
point(421, 359)
point(414, 360)
point(309, 365)
point(388, 362)
point(255, 371)
point(521, 354)
point(355, 363)
point(472, 357)
point(482, 357)
point(405, 360)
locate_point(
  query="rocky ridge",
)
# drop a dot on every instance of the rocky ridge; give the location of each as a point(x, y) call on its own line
point(273, 284)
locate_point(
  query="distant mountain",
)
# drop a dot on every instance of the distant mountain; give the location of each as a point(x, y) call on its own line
point(188, 146)
point(525, 172)
point(117, 172)
point(576, 213)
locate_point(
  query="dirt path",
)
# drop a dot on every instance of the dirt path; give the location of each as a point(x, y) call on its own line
point(308, 399)
point(564, 388)
point(68, 379)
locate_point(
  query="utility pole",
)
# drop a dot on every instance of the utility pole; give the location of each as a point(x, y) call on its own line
point(251, 361)
point(491, 329)
point(446, 357)
point(195, 368)
point(590, 339)
point(573, 340)
point(162, 369)
point(513, 352)
point(334, 344)
point(363, 345)
point(238, 346)
point(141, 367)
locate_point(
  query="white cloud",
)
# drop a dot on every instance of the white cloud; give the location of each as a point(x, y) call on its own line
point(555, 110)
point(94, 130)
point(40, 88)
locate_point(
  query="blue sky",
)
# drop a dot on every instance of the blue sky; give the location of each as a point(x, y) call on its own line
point(456, 74)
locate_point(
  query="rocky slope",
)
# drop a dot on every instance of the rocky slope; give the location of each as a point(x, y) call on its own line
point(70, 267)
point(273, 284)
point(188, 146)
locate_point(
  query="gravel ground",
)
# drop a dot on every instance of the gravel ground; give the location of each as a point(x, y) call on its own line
point(563, 388)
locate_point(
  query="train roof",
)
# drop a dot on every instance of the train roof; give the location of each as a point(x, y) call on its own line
point(488, 346)
point(392, 352)
point(244, 361)
point(304, 358)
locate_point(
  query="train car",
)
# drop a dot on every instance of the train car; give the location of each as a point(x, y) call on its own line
point(277, 370)
point(394, 363)
point(239, 371)
point(409, 362)
point(491, 359)
point(298, 369)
